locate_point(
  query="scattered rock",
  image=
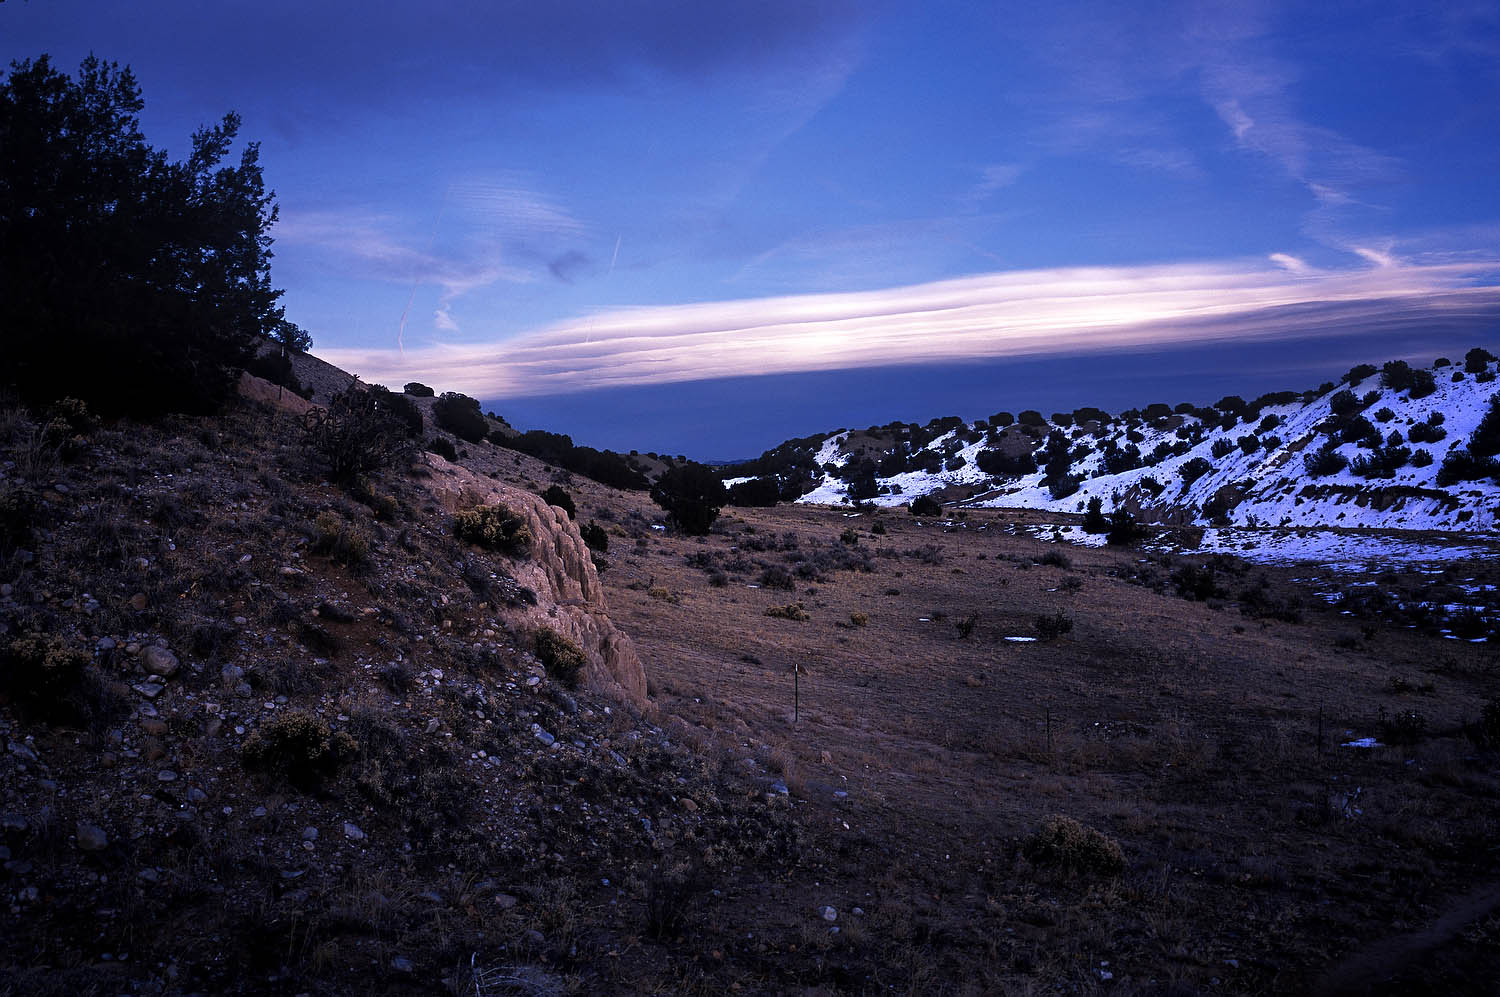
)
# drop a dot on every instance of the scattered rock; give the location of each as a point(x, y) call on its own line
point(22, 751)
point(505, 901)
point(159, 661)
point(138, 602)
point(91, 837)
point(542, 735)
point(166, 775)
point(352, 832)
point(309, 834)
point(830, 914)
point(105, 644)
point(401, 964)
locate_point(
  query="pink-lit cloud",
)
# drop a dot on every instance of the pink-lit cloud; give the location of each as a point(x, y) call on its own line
point(1015, 314)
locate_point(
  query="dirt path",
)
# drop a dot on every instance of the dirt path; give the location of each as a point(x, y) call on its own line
point(1378, 962)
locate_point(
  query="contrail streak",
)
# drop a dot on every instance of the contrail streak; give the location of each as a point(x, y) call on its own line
point(431, 240)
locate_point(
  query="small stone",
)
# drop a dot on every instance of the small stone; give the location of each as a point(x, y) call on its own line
point(688, 805)
point(138, 602)
point(148, 689)
point(433, 725)
point(159, 661)
point(352, 832)
point(148, 875)
point(258, 812)
point(542, 735)
point(246, 558)
point(6, 590)
point(830, 914)
point(155, 726)
point(91, 837)
point(535, 937)
point(105, 644)
point(196, 795)
point(309, 834)
point(166, 775)
point(505, 901)
point(401, 964)
point(132, 648)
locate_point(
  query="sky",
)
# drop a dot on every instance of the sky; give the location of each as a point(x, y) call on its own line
point(703, 228)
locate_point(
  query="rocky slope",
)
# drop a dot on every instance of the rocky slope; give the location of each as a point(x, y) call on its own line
point(266, 735)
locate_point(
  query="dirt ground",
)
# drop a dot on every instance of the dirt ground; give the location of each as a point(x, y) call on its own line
point(926, 746)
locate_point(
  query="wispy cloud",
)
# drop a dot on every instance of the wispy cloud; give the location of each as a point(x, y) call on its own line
point(992, 178)
point(1020, 313)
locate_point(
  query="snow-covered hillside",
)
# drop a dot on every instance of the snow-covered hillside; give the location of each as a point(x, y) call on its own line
point(1368, 452)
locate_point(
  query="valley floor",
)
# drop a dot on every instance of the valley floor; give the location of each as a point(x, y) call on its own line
point(926, 734)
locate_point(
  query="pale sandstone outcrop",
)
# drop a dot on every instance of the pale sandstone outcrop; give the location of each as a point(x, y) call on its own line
point(559, 570)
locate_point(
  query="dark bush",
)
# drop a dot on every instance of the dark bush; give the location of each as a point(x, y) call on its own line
point(755, 493)
point(560, 656)
point(558, 496)
point(494, 527)
point(1321, 463)
point(1194, 469)
point(340, 541)
point(299, 746)
point(1056, 559)
point(1123, 529)
point(1358, 373)
point(1422, 384)
point(1396, 375)
point(999, 463)
point(925, 505)
point(55, 682)
point(1462, 465)
point(1002, 419)
point(402, 408)
point(460, 415)
point(1385, 414)
point(1075, 848)
point(1093, 518)
point(418, 389)
point(1421, 458)
point(692, 494)
point(1485, 440)
point(1383, 462)
point(1425, 433)
point(1031, 417)
point(356, 435)
point(1478, 360)
point(1198, 582)
point(1050, 627)
point(1222, 448)
point(1343, 403)
point(443, 447)
point(595, 537)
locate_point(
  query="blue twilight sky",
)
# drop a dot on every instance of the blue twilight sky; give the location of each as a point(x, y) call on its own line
point(705, 227)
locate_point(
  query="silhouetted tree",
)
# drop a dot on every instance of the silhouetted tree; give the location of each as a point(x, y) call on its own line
point(692, 494)
point(138, 284)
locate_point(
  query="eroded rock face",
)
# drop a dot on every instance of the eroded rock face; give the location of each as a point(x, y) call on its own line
point(570, 599)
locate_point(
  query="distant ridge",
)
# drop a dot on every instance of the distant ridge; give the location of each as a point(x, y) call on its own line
point(1395, 447)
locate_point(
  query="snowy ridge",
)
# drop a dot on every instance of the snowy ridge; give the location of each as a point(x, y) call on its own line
point(1205, 465)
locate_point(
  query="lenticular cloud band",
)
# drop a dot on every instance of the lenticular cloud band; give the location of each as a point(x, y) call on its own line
point(1023, 313)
